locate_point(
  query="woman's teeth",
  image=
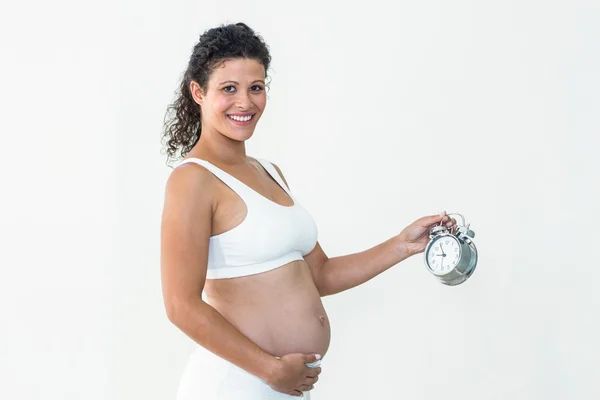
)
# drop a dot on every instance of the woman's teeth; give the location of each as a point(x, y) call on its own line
point(241, 119)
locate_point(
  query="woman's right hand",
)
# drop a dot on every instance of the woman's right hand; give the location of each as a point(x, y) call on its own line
point(292, 376)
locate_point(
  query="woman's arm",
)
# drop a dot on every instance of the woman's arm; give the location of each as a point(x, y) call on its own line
point(336, 274)
point(185, 234)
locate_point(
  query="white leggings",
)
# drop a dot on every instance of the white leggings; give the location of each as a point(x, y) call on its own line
point(210, 377)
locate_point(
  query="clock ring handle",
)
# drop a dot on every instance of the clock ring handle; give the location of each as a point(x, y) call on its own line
point(463, 218)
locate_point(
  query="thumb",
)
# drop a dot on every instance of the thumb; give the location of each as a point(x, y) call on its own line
point(311, 357)
point(433, 219)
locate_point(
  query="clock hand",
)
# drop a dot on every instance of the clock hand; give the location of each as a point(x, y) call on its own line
point(442, 250)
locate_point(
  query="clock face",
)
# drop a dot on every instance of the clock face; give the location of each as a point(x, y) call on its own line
point(443, 254)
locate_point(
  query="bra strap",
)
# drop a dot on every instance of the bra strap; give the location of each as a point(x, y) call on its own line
point(238, 187)
point(273, 172)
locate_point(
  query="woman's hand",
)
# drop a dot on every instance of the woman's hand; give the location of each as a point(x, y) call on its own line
point(416, 235)
point(292, 376)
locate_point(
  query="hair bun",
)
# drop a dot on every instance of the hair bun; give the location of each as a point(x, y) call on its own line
point(243, 25)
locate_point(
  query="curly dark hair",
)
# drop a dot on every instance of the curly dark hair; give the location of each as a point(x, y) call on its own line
point(182, 124)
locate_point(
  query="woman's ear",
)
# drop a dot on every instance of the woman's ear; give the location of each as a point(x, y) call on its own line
point(196, 92)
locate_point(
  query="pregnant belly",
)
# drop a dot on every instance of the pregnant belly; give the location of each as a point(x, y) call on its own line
point(279, 310)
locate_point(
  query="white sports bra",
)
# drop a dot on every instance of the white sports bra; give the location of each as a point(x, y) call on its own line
point(269, 237)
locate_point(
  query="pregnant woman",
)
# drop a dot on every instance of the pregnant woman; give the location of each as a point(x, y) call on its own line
point(242, 271)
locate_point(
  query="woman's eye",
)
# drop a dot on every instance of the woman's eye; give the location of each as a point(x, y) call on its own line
point(232, 89)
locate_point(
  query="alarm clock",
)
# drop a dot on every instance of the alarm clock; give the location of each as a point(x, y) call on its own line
point(451, 254)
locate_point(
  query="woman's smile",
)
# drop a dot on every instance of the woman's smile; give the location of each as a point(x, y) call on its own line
point(241, 119)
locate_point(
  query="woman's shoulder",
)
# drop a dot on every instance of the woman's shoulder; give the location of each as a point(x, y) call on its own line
point(190, 178)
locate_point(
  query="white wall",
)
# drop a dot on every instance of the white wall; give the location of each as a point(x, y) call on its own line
point(378, 114)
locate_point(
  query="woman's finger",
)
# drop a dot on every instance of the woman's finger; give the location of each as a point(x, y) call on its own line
point(312, 373)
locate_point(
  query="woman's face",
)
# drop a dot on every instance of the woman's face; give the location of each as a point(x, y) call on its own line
point(235, 98)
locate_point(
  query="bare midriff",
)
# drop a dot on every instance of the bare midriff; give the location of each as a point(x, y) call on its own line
point(280, 310)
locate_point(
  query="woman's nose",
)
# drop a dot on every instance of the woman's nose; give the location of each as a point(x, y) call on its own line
point(244, 103)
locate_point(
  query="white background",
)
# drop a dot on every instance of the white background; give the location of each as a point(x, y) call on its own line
point(379, 113)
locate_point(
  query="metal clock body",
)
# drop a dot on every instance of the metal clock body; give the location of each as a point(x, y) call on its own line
point(451, 254)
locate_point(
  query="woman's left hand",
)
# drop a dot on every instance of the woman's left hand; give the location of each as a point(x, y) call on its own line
point(416, 235)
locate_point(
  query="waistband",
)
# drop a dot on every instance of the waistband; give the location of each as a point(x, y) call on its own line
point(211, 357)
point(314, 364)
